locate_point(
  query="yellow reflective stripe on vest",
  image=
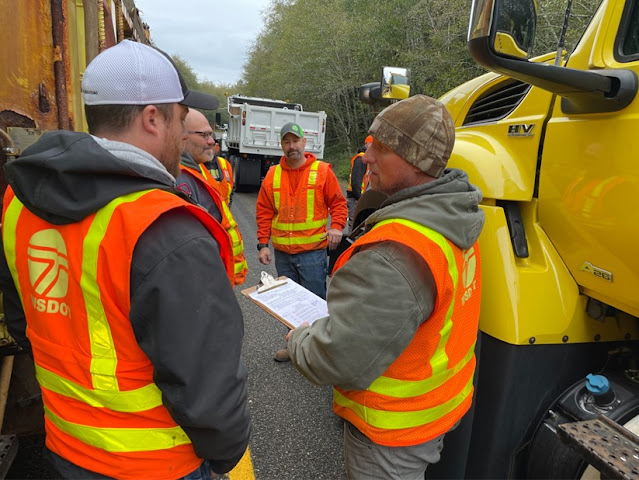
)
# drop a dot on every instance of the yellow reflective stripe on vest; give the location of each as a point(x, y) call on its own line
point(104, 359)
point(236, 243)
point(310, 194)
point(224, 164)
point(139, 400)
point(9, 237)
point(298, 227)
point(204, 171)
point(239, 267)
point(310, 204)
point(298, 240)
point(407, 389)
point(277, 185)
point(439, 360)
point(389, 420)
point(122, 439)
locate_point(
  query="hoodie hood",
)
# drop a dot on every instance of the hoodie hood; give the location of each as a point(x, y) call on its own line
point(66, 176)
point(187, 160)
point(448, 205)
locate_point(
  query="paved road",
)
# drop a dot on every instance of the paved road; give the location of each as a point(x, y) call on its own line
point(295, 435)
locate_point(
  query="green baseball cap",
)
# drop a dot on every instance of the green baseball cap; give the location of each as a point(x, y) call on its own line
point(293, 128)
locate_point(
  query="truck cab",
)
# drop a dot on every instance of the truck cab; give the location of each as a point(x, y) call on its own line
point(551, 142)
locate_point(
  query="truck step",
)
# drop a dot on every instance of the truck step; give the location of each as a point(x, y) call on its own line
point(606, 445)
point(8, 450)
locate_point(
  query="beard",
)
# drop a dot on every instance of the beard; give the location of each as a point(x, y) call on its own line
point(294, 154)
point(202, 155)
point(171, 152)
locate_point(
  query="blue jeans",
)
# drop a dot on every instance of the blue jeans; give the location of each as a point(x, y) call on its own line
point(203, 472)
point(72, 471)
point(307, 268)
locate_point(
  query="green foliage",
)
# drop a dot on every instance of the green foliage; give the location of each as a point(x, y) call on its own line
point(341, 162)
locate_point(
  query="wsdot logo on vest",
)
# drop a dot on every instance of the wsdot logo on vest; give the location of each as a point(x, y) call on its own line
point(468, 274)
point(49, 272)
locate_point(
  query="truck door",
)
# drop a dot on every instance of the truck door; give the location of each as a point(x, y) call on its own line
point(589, 184)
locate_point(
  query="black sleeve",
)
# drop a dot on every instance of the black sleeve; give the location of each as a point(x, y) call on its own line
point(13, 311)
point(357, 175)
point(187, 320)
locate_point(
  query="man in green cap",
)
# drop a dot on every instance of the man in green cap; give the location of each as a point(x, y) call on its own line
point(293, 206)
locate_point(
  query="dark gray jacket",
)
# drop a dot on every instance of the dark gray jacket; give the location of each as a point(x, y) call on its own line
point(183, 309)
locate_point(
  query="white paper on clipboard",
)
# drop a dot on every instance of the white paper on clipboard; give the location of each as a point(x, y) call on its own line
point(290, 303)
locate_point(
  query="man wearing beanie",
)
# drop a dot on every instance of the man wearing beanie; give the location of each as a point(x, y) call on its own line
point(398, 344)
point(136, 334)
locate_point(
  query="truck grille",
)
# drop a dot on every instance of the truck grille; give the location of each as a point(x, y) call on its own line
point(497, 103)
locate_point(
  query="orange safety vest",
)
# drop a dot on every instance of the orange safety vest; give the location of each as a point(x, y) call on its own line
point(224, 186)
point(240, 267)
point(301, 216)
point(350, 187)
point(429, 387)
point(103, 412)
point(366, 179)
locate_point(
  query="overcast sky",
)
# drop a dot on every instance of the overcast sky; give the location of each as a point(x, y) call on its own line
point(212, 36)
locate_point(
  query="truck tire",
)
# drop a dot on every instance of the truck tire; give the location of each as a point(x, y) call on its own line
point(246, 173)
point(235, 165)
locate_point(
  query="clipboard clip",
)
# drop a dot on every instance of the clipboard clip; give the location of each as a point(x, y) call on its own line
point(267, 282)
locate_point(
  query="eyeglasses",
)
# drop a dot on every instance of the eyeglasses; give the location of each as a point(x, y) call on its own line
point(204, 135)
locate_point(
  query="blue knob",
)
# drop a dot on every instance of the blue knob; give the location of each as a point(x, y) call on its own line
point(597, 384)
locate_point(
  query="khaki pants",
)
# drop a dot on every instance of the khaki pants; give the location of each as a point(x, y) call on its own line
point(365, 460)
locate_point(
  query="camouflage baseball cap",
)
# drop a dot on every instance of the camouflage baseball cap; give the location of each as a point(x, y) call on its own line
point(293, 128)
point(420, 130)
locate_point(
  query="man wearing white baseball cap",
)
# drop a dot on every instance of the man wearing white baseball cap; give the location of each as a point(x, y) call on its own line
point(136, 337)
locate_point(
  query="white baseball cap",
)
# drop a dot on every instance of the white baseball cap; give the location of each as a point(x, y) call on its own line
point(131, 73)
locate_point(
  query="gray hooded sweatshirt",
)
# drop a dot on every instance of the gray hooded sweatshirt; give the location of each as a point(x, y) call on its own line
point(383, 293)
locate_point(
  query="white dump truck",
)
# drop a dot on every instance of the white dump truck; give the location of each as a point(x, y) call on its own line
point(253, 135)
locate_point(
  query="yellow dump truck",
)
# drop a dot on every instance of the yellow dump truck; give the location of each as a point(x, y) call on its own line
point(552, 142)
point(45, 46)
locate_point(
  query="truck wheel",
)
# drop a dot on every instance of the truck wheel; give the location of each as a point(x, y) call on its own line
point(237, 177)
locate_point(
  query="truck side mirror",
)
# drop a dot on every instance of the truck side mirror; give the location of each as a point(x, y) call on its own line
point(510, 24)
point(501, 31)
point(395, 83)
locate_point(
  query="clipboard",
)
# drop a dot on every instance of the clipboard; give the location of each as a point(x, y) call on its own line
point(290, 303)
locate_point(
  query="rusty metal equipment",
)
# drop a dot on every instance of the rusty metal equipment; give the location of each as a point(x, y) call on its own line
point(606, 445)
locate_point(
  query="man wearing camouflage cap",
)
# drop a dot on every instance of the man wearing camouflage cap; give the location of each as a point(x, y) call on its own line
point(398, 344)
